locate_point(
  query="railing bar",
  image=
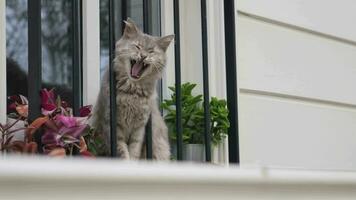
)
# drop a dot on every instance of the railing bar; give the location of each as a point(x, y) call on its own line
point(160, 85)
point(124, 15)
point(77, 56)
point(231, 80)
point(148, 130)
point(113, 108)
point(207, 135)
point(178, 81)
point(148, 29)
point(34, 62)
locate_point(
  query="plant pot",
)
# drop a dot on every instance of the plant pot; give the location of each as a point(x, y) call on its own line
point(191, 152)
point(196, 152)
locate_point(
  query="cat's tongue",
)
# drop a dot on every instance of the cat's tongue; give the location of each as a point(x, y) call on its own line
point(136, 69)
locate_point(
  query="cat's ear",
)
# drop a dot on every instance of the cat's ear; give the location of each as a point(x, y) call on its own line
point(164, 42)
point(131, 30)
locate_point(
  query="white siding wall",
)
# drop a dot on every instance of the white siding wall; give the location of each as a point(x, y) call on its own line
point(297, 79)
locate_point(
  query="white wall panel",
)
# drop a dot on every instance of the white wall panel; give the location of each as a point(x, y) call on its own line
point(289, 133)
point(282, 60)
point(332, 17)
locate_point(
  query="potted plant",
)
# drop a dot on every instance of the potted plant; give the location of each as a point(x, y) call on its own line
point(60, 132)
point(193, 122)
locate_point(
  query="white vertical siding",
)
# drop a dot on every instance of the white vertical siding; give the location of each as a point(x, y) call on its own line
point(2, 62)
point(331, 17)
point(297, 77)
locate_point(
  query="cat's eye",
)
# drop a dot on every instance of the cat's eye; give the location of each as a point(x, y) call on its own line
point(137, 46)
point(150, 50)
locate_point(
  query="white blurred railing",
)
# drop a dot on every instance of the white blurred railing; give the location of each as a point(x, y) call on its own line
point(40, 178)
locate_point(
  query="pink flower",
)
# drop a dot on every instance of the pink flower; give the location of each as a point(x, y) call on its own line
point(48, 101)
point(63, 130)
point(85, 111)
point(67, 121)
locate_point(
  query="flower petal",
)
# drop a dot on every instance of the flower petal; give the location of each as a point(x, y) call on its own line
point(87, 154)
point(57, 152)
point(73, 131)
point(30, 147)
point(47, 96)
point(17, 146)
point(12, 107)
point(51, 137)
point(82, 144)
point(67, 121)
point(23, 99)
point(37, 124)
point(85, 111)
point(22, 110)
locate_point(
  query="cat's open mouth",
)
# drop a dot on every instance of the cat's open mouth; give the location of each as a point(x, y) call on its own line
point(137, 68)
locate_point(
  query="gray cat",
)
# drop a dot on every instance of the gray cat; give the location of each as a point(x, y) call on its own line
point(139, 62)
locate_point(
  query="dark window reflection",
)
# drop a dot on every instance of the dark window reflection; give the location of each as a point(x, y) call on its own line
point(16, 47)
point(135, 11)
point(104, 35)
point(56, 47)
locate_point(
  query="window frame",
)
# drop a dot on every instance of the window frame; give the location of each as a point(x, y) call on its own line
point(91, 51)
point(3, 61)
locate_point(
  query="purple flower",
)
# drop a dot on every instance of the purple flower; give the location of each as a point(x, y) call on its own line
point(85, 111)
point(63, 130)
point(48, 102)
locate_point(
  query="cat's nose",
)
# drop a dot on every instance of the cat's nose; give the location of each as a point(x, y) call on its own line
point(143, 56)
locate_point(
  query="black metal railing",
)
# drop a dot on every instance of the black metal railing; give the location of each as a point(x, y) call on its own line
point(34, 62)
point(231, 80)
point(179, 128)
point(113, 107)
point(147, 29)
point(204, 32)
point(35, 79)
point(77, 58)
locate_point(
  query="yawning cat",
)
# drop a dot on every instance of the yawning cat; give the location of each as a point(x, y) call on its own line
point(139, 62)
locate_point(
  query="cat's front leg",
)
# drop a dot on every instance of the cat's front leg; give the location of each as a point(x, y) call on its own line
point(122, 147)
point(135, 143)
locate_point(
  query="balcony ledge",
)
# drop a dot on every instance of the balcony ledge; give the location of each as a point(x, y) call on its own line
point(43, 178)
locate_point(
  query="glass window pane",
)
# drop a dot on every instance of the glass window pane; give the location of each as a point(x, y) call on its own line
point(57, 47)
point(16, 47)
point(135, 12)
point(104, 35)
